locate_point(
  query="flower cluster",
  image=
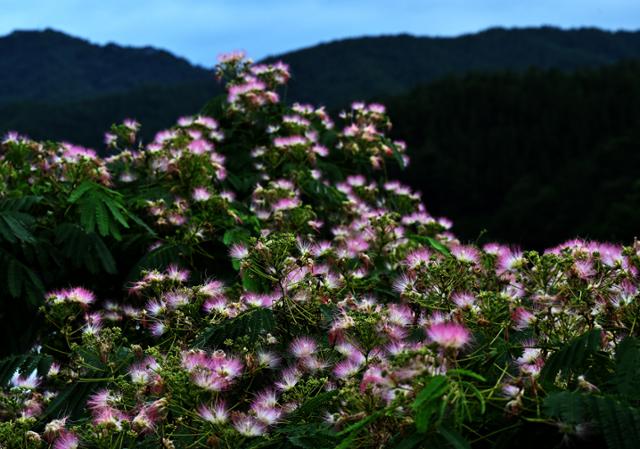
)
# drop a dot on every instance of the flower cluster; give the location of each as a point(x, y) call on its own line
point(283, 288)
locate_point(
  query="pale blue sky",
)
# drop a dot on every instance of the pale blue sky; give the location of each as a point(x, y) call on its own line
point(201, 29)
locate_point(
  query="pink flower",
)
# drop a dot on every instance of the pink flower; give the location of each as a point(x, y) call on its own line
point(463, 300)
point(216, 414)
point(465, 253)
point(232, 57)
point(29, 382)
point(449, 335)
point(66, 440)
point(522, 318)
point(303, 347)
point(249, 426)
point(288, 379)
point(200, 146)
point(345, 369)
point(238, 251)
point(200, 194)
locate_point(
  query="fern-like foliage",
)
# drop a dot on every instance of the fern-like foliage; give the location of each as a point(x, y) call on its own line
point(252, 324)
point(616, 420)
point(16, 237)
point(614, 410)
point(23, 364)
point(573, 358)
point(84, 249)
point(626, 379)
point(101, 208)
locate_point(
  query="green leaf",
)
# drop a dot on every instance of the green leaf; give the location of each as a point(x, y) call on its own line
point(430, 241)
point(410, 442)
point(626, 378)
point(454, 438)
point(159, 259)
point(236, 235)
point(80, 190)
point(251, 323)
point(311, 436)
point(98, 205)
point(572, 357)
point(397, 155)
point(436, 387)
point(356, 427)
point(466, 373)
point(23, 364)
point(18, 223)
point(21, 279)
point(312, 407)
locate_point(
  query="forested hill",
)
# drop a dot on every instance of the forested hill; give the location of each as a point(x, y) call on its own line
point(54, 86)
point(536, 157)
point(340, 71)
point(54, 67)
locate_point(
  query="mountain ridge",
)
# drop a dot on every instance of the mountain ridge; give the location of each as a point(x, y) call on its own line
point(53, 73)
point(53, 66)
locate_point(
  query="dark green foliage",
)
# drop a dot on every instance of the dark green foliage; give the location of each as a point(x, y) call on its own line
point(101, 208)
point(626, 379)
point(533, 158)
point(616, 420)
point(612, 411)
point(252, 324)
point(23, 364)
point(573, 358)
point(16, 238)
point(84, 249)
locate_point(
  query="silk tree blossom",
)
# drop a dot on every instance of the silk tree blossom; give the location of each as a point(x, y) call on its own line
point(215, 414)
point(584, 269)
point(231, 57)
point(145, 371)
point(404, 284)
point(78, 295)
point(463, 300)
point(522, 318)
point(200, 194)
point(449, 335)
point(55, 428)
point(288, 379)
point(465, 253)
point(215, 372)
point(30, 382)
point(177, 274)
point(346, 368)
point(67, 440)
point(145, 421)
point(248, 426)
point(239, 251)
point(302, 347)
point(508, 260)
point(418, 258)
point(286, 204)
point(289, 142)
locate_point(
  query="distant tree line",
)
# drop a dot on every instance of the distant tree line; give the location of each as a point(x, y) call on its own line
point(533, 157)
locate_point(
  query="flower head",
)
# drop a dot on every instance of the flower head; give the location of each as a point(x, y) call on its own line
point(449, 335)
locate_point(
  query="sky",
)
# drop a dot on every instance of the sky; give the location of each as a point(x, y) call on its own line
point(201, 29)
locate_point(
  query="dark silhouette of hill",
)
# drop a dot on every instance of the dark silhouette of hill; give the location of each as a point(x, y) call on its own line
point(534, 157)
point(50, 66)
point(337, 72)
point(50, 80)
